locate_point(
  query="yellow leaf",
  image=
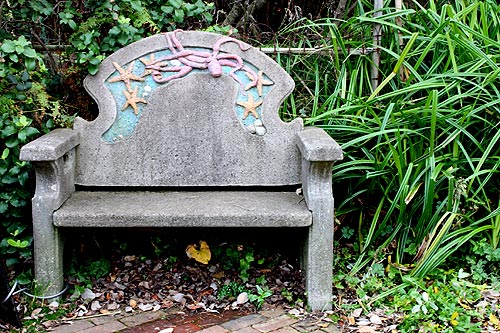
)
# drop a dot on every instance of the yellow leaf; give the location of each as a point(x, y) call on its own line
point(494, 320)
point(453, 318)
point(202, 255)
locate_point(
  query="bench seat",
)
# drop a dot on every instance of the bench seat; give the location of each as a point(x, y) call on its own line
point(183, 209)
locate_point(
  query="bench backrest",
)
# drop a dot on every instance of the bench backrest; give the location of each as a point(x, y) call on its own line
point(188, 108)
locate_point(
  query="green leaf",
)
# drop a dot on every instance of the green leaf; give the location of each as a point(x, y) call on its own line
point(17, 243)
point(208, 17)
point(136, 5)
point(22, 42)
point(3, 167)
point(23, 121)
point(167, 9)
point(72, 24)
point(123, 39)
point(175, 3)
point(29, 52)
point(3, 207)
point(21, 135)
point(5, 153)
point(7, 179)
point(31, 131)
point(23, 178)
point(115, 30)
point(95, 61)
point(8, 46)
point(179, 15)
point(13, 57)
point(30, 64)
point(8, 131)
point(92, 71)
point(50, 122)
point(12, 141)
point(189, 7)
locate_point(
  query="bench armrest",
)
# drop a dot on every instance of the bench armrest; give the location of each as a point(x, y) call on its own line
point(319, 152)
point(316, 145)
point(53, 156)
point(51, 146)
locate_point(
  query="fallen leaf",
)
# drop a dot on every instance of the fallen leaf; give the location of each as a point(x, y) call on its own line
point(167, 330)
point(113, 306)
point(53, 305)
point(95, 306)
point(178, 297)
point(133, 303)
point(363, 322)
point(203, 255)
point(494, 320)
point(374, 319)
point(351, 320)
point(366, 329)
point(88, 294)
point(219, 275)
point(242, 298)
point(35, 313)
point(145, 307)
point(356, 313)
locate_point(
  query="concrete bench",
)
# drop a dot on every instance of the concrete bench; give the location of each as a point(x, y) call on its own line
point(188, 135)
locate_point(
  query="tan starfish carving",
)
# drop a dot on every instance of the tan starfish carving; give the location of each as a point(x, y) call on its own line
point(132, 100)
point(126, 75)
point(148, 62)
point(250, 107)
point(260, 82)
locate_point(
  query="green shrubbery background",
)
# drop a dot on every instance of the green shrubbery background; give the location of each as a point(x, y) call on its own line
point(420, 179)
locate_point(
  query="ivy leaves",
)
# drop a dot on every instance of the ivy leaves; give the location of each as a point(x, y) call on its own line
point(14, 131)
point(14, 51)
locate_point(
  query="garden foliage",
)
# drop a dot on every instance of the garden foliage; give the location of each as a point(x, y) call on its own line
point(420, 177)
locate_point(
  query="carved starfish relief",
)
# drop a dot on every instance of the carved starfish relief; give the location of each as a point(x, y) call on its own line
point(125, 75)
point(250, 107)
point(148, 62)
point(260, 82)
point(132, 100)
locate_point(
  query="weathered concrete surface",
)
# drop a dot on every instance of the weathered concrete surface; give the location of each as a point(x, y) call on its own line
point(51, 146)
point(316, 145)
point(189, 132)
point(184, 209)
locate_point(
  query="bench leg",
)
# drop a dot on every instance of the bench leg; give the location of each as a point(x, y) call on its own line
point(319, 260)
point(48, 250)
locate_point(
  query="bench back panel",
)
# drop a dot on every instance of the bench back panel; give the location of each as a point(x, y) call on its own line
point(188, 109)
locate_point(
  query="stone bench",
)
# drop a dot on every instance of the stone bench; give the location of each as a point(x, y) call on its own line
point(188, 135)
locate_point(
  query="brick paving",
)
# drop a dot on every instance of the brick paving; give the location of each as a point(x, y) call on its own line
point(266, 321)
